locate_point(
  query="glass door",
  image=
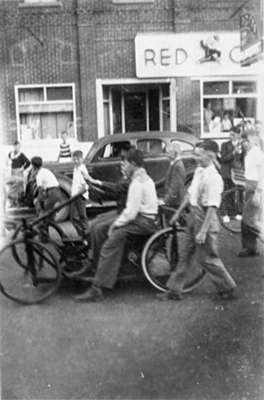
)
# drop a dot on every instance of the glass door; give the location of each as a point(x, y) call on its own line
point(135, 111)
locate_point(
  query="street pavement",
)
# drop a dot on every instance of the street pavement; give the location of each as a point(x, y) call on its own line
point(131, 346)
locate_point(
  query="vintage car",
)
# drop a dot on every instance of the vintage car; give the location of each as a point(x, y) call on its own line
point(104, 158)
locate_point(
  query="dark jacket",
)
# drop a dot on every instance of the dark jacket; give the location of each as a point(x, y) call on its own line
point(174, 184)
point(230, 160)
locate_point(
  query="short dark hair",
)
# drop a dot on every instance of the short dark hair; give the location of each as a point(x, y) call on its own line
point(36, 162)
point(209, 145)
point(16, 142)
point(77, 154)
point(126, 146)
point(236, 129)
point(135, 156)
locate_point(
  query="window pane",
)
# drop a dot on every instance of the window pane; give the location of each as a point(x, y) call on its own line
point(184, 146)
point(135, 111)
point(245, 108)
point(105, 92)
point(106, 119)
point(244, 87)
point(59, 93)
point(117, 121)
point(151, 146)
point(153, 109)
point(45, 125)
point(216, 88)
point(30, 95)
point(166, 115)
point(165, 90)
point(212, 108)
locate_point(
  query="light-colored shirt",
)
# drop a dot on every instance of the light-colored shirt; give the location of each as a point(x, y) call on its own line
point(254, 164)
point(46, 179)
point(206, 187)
point(78, 182)
point(141, 198)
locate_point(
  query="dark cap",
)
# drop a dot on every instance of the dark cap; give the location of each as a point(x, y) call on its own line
point(36, 162)
point(135, 156)
point(209, 145)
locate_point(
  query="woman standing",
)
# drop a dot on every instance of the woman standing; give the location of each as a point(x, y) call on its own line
point(253, 211)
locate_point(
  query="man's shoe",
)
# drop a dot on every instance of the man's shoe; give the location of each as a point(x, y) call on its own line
point(93, 294)
point(230, 294)
point(169, 295)
point(247, 253)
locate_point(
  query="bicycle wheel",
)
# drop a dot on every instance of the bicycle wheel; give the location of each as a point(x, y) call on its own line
point(160, 256)
point(231, 208)
point(56, 234)
point(39, 277)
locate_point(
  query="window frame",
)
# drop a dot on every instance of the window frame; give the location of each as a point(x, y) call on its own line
point(45, 101)
point(230, 94)
point(39, 3)
point(128, 2)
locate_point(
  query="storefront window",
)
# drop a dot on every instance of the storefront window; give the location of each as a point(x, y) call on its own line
point(225, 104)
point(45, 111)
point(134, 108)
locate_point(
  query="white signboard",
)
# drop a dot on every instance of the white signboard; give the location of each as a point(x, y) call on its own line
point(189, 54)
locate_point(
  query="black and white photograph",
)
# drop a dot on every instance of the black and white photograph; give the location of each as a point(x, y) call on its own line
point(132, 199)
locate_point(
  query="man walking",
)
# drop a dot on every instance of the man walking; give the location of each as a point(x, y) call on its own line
point(201, 239)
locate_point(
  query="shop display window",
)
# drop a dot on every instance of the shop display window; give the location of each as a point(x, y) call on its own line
point(225, 104)
point(45, 111)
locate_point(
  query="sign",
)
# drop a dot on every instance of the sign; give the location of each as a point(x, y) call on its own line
point(188, 54)
point(250, 38)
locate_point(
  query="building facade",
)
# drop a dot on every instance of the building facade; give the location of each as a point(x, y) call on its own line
point(99, 67)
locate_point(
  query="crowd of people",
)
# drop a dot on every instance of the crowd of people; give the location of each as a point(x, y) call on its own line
point(137, 207)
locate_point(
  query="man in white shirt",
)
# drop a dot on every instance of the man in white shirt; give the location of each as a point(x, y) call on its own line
point(49, 193)
point(201, 239)
point(138, 218)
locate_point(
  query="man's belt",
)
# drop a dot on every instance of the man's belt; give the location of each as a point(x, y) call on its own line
point(150, 216)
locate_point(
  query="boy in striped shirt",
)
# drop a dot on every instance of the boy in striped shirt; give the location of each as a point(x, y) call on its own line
point(65, 149)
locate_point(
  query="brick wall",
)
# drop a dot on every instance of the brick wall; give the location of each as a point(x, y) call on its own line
point(100, 36)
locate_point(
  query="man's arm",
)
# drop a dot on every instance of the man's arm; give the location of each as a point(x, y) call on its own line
point(132, 205)
point(26, 162)
point(175, 190)
point(201, 235)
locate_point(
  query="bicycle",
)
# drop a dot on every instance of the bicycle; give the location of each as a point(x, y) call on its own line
point(39, 268)
point(231, 208)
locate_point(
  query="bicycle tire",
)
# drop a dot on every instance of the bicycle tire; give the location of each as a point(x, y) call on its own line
point(160, 249)
point(60, 233)
point(231, 206)
point(29, 286)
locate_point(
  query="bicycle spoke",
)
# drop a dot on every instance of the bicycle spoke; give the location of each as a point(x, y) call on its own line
point(36, 281)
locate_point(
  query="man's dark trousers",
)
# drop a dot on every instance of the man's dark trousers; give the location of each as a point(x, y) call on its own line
point(98, 232)
point(113, 249)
